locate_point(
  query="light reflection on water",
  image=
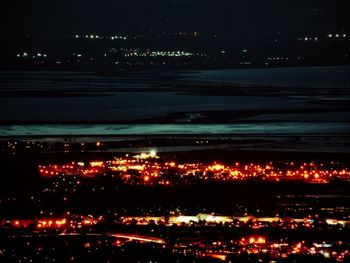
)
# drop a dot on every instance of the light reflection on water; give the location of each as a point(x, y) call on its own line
point(164, 129)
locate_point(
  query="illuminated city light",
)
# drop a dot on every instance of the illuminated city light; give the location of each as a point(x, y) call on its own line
point(153, 153)
point(146, 165)
point(97, 164)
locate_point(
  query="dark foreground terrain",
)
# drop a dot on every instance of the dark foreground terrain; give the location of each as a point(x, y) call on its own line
point(61, 203)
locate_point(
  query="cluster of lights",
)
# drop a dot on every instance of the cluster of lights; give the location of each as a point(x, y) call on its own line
point(27, 55)
point(213, 220)
point(75, 222)
point(259, 245)
point(138, 53)
point(308, 39)
point(92, 36)
point(156, 172)
point(171, 54)
point(151, 154)
point(277, 58)
point(118, 37)
point(51, 223)
point(254, 244)
point(337, 35)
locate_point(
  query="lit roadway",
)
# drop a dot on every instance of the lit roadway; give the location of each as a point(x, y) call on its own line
point(128, 237)
point(138, 238)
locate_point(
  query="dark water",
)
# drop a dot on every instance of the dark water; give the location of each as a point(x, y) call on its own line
point(285, 100)
point(308, 77)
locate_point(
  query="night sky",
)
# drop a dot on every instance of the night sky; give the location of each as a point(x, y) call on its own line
point(227, 17)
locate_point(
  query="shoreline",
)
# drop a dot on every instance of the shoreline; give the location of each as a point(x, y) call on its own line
point(309, 144)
